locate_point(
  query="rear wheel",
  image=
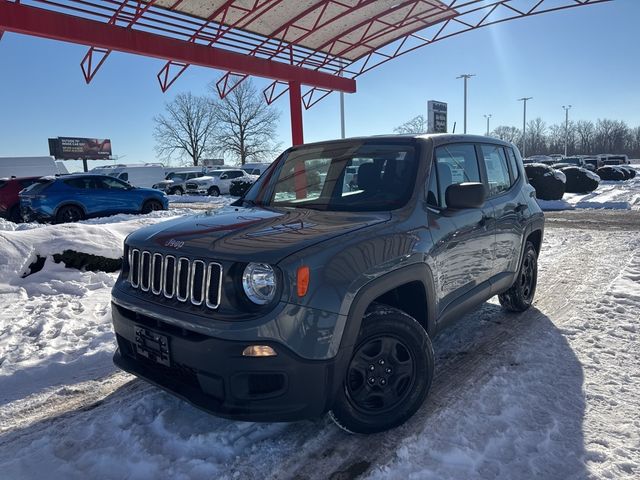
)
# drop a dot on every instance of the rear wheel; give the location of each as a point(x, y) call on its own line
point(151, 206)
point(214, 192)
point(389, 374)
point(520, 296)
point(69, 213)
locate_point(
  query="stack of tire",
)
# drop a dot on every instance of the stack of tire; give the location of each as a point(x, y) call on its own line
point(550, 184)
point(580, 180)
point(616, 173)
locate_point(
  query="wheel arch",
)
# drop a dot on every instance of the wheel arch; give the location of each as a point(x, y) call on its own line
point(405, 289)
point(68, 203)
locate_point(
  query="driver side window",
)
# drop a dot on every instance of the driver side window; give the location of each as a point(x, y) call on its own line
point(455, 163)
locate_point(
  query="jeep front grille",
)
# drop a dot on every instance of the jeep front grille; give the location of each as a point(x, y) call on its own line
point(186, 280)
point(192, 186)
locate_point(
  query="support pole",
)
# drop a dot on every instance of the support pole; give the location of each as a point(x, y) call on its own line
point(524, 125)
point(465, 77)
point(295, 104)
point(84, 165)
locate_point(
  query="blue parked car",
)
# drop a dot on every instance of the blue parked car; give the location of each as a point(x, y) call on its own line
point(75, 197)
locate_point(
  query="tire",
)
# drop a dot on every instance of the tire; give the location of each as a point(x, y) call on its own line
point(176, 191)
point(214, 192)
point(151, 206)
point(69, 213)
point(520, 296)
point(389, 374)
point(14, 215)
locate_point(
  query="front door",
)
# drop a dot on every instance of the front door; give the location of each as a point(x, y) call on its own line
point(463, 239)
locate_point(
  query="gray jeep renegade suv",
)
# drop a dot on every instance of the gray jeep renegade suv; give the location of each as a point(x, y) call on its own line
point(319, 293)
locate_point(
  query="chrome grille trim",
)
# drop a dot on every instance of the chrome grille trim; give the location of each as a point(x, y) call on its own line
point(208, 301)
point(170, 285)
point(192, 282)
point(153, 274)
point(135, 282)
point(141, 272)
point(181, 261)
point(165, 266)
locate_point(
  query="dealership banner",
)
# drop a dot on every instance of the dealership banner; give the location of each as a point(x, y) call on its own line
point(74, 148)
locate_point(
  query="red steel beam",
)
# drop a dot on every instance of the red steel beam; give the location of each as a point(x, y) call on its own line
point(38, 22)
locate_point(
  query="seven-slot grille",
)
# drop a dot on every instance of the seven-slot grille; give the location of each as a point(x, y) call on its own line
point(191, 186)
point(176, 277)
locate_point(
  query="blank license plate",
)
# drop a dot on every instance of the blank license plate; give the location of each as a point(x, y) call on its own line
point(152, 345)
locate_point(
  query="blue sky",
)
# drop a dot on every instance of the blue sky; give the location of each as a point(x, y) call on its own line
point(585, 56)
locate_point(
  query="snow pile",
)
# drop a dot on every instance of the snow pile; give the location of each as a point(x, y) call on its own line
point(55, 324)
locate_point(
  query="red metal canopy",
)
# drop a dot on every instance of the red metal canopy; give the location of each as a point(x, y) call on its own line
point(322, 45)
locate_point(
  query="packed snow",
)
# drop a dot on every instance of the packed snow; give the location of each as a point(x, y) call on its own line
point(551, 393)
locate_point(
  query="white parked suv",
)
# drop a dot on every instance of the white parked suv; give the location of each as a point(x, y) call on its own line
point(217, 182)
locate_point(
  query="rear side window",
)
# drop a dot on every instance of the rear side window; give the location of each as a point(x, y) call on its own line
point(513, 165)
point(497, 170)
point(82, 183)
point(455, 163)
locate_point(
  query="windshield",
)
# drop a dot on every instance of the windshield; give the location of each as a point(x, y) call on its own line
point(340, 177)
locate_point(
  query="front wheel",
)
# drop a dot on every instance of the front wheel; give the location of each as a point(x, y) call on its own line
point(520, 296)
point(214, 192)
point(389, 374)
point(151, 206)
point(176, 191)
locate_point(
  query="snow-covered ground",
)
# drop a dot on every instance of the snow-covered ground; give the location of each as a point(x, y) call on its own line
point(552, 393)
point(624, 195)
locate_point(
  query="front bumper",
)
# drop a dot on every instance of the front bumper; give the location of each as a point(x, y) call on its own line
point(212, 374)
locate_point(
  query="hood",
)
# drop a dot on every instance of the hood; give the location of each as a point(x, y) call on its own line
point(204, 179)
point(250, 234)
point(165, 182)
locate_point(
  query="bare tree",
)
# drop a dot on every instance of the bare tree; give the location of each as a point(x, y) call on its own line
point(186, 129)
point(246, 124)
point(417, 124)
point(586, 133)
point(536, 136)
point(508, 134)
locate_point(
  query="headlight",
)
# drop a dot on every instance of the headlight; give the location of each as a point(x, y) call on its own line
point(259, 283)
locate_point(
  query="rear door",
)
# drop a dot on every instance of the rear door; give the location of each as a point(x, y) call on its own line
point(463, 239)
point(508, 205)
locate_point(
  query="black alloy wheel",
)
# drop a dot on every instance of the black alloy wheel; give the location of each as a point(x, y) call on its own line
point(389, 374)
point(380, 375)
point(520, 296)
point(69, 213)
point(151, 206)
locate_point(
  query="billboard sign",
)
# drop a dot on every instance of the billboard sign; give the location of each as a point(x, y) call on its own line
point(74, 148)
point(436, 117)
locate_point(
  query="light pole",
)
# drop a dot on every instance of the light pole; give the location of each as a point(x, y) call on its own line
point(566, 128)
point(466, 77)
point(524, 125)
point(488, 117)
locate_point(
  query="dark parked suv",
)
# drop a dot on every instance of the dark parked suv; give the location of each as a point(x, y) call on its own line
point(309, 295)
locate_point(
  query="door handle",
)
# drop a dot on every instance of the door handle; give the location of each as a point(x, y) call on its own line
point(521, 207)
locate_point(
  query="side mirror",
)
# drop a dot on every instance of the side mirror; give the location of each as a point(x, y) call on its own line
point(465, 195)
